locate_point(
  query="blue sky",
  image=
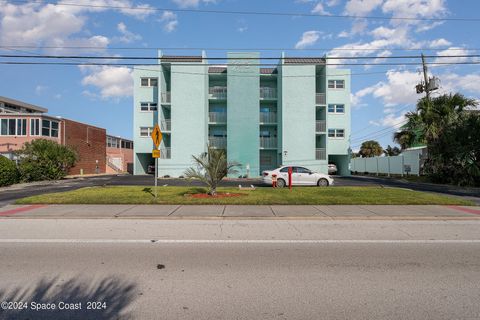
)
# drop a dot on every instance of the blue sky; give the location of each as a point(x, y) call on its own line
point(103, 95)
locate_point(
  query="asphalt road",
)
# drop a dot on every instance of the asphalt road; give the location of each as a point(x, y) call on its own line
point(241, 269)
point(8, 196)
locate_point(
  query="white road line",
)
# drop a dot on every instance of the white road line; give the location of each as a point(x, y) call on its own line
point(253, 241)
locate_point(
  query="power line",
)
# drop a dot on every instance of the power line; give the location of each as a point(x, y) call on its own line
point(369, 126)
point(188, 58)
point(237, 49)
point(230, 12)
point(375, 133)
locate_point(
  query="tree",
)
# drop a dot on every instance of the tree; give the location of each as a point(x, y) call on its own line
point(450, 131)
point(391, 152)
point(8, 172)
point(44, 159)
point(370, 148)
point(212, 167)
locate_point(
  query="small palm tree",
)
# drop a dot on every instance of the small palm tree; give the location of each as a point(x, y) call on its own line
point(370, 148)
point(212, 167)
point(390, 152)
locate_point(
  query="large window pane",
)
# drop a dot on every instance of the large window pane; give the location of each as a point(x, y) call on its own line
point(4, 127)
point(144, 82)
point(153, 82)
point(11, 127)
point(46, 128)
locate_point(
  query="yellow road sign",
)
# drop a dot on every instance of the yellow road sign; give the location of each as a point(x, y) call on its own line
point(157, 136)
point(155, 153)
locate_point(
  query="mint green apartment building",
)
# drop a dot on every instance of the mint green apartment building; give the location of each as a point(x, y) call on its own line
point(294, 113)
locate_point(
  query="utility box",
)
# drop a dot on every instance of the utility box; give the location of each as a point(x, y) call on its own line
point(433, 83)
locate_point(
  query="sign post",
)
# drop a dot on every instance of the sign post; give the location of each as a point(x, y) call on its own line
point(290, 169)
point(157, 138)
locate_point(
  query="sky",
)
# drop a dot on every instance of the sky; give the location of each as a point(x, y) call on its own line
point(102, 95)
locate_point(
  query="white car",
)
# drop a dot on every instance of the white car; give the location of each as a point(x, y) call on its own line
point(300, 177)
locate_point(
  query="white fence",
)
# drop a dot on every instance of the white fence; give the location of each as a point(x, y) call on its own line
point(409, 161)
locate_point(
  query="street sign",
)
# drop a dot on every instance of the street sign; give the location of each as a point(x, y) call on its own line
point(156, 136)
point(155, 153)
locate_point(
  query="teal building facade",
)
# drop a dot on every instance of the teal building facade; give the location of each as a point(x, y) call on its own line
point(296, 113)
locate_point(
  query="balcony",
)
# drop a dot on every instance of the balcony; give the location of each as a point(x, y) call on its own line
point(321, 126)
point(321, 98)
point(217, 142)
point(320, 154)
point(268, 143)
point(165, 153)
point(217, 92)
point(166, 97)
point(166, 125)
point(268, 93)
point(268, 117)
point(217, 117)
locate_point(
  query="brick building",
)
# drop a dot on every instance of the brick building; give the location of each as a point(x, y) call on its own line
point(21, 122)
point(119, 155)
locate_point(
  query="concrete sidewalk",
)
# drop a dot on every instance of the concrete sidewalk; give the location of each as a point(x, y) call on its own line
point(369, 212)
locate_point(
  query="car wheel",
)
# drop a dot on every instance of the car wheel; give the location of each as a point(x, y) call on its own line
point(322, 182)
point(280, 183)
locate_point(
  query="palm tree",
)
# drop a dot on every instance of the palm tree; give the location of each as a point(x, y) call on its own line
point(370, 148)
point(212, 167)
point(391, 152)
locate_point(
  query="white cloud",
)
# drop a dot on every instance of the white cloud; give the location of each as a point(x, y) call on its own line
point(192, 3)
point(170, 21)
point(127, 36)
point(453, 51)
point(40, 89)
point(309, 38)
point(319, 9)
point(439, 43)
point(332, 3)
point(113, 82)
point(361, 7)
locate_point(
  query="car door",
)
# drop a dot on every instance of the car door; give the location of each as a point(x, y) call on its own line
point(304, 176)
point(283, 174)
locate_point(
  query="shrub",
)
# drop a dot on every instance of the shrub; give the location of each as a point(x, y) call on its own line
point(43, 159)
point(8, 172)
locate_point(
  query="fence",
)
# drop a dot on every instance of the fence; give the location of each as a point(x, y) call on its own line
point(409, 162)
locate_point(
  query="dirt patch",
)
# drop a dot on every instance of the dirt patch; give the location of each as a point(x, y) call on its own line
point(218, 195)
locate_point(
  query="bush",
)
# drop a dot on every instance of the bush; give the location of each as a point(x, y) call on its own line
point(8, 172)
point(43, 159)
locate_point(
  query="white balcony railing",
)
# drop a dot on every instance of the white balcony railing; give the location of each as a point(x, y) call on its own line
point(268, 117)
point(268, 143)
point(165, 153)
point(219, 117)
point(217, 142)
point(217, 92)
point(166, 125)
point(320, 154)
point(321, 98)
point(321, 126)
point(166, 97)
point(268, 93)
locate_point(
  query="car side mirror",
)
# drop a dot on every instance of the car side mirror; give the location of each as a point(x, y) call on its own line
point(310, 172)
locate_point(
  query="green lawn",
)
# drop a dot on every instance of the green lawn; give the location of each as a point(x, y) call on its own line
point(266, 196)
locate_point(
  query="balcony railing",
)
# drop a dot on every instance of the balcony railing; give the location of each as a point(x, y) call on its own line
point(268, 117)
point(321, 98)
point(165, 153)
point(321, 154)
point(268, 143)
point(217, 142)
point(220, 117)
point(321, 126)
point(166, 125)
point(268, 93)
point(166, 97)
point(217, 93)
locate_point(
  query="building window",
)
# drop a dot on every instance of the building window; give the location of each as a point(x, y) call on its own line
point(13, 127)
point(148, 106)
point(336, 84)
point(127, 144)
point(49, 128)
point(336, 108)
point(113, 142)
point(146, 131)
point(265, 133)
point(149, 82)
point(34, 127)
point(336, 133)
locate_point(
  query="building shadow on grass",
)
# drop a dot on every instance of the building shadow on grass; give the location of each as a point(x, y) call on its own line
point(110, 296)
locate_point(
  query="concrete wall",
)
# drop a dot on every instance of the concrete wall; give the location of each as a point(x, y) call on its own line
point(243, 115)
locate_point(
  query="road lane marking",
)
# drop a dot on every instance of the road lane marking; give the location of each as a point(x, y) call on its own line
point(230, 241)
point(21, 209)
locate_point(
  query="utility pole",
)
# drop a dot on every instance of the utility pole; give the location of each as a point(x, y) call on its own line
point(425, 77)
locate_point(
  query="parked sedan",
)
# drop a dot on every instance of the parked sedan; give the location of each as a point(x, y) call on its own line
point(332, 168)
point(300, 177)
